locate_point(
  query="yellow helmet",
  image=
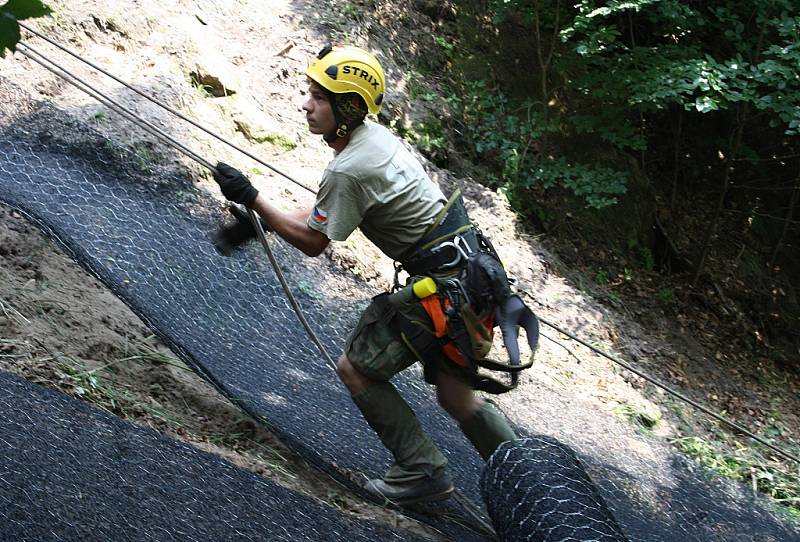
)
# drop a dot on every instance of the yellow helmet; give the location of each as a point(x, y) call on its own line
point(350, 69)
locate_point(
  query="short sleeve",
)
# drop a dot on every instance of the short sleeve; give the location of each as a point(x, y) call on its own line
point(340, 206)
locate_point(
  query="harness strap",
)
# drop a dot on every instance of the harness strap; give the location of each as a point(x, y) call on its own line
point(471, 278)
point(480, 382)
point(446, 243)
point(464, 329)
point(429, 346)
point(424, 344)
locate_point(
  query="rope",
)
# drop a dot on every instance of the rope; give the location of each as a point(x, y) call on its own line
point(79, 83)
point(672, 392)
point(274, 262)
point(85, 87)
point(82, 85)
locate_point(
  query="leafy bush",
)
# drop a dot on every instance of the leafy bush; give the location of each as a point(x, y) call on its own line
point(13, 11)
point(507, 136)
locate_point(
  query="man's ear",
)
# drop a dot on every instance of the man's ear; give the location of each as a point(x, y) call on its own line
point(353, 106)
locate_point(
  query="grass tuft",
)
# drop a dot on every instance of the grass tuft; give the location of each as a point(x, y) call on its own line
point(747, 464)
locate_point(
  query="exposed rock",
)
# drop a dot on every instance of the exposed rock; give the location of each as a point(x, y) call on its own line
point(256, 126)
point(214, 77)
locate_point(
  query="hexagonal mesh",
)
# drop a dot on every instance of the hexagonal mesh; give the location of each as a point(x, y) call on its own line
point(537, 489)
point(74, 472)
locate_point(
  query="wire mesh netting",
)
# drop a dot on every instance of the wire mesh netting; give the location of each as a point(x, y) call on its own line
point(537, 490)
point(145, 234)
point(74, 472)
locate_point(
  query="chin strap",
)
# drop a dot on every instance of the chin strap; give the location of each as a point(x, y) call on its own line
point(342, 130)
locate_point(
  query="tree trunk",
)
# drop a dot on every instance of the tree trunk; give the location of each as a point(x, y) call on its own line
point(786, 224)
point(676, 161)
point(711, 231)
point(544, 60)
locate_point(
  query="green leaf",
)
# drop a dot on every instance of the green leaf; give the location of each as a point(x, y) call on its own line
point(25, 9)
point(704, 104)
point(9, 34)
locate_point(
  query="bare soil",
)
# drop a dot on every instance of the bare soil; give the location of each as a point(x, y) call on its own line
point(63, 329)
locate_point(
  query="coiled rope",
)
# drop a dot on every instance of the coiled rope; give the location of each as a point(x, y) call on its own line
point(58, 70)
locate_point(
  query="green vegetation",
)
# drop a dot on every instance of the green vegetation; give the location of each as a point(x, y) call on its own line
point(203, 90)
point(706, 452)
point(430, 139)
point(510, 134)
point(100, 386)
point(695, 102)
point(665, 295)
point(144, 154)
point(13, 11)
point(659, 136)
point(277, 140)
point(100, 118)
point(646, 419)
point(747, 465)
point(97, 387)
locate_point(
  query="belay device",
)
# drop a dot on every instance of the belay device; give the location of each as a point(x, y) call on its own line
point(463, 287)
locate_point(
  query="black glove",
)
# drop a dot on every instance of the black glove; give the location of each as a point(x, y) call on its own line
point(234, 185)
point(231, 235)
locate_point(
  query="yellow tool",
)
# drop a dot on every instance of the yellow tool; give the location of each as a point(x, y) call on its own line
point(424, 287)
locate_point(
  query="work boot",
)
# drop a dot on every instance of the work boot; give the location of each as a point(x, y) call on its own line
point(417, 461)
point(487, 429)
point(415, 491)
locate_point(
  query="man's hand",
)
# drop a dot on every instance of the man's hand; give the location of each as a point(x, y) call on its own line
point(229, 236)
point(234, 185)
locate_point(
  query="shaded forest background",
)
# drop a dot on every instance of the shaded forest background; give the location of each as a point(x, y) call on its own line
point(658, 137)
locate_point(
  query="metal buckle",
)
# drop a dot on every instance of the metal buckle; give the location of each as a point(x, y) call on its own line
point(466, 250)
point(451, 285)
point(461, 253)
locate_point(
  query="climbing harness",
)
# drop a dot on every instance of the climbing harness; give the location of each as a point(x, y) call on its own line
point(514, 315)
point(460, 282)
point(446, 244)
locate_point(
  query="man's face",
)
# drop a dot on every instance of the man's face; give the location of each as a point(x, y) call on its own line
point(319, 114)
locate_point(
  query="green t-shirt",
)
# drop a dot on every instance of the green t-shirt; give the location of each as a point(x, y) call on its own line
point(377, 185)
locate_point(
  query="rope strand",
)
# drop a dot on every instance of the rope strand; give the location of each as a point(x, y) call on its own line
point(80, 84)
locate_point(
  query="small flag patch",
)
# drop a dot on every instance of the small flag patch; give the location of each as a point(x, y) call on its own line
point(320, 216)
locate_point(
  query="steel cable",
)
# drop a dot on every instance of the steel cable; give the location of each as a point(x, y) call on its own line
point(82, 85)
point(164, 106)
point(672, 392)
point(79, 83)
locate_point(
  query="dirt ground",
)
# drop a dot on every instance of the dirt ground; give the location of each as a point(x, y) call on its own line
point(61, 328)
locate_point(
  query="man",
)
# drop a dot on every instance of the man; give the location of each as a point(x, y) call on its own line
point(375, 184)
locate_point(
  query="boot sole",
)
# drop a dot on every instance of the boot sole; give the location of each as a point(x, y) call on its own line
point(436, 497)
